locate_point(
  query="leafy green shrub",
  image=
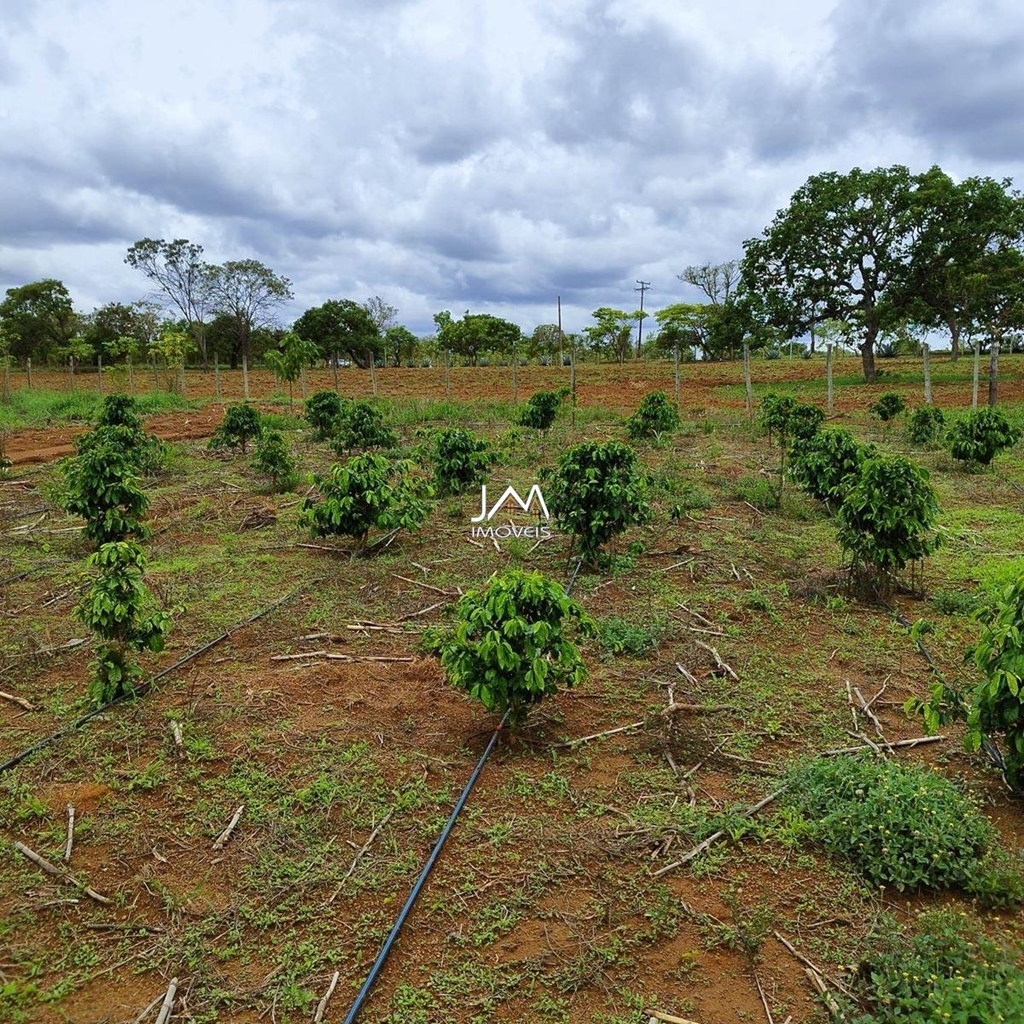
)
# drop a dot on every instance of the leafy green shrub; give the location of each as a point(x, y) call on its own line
point(655, 415)
point(994, 708)
point(146, 451)
point(980, 436)
point(596, 492)
point(241, 424)
point(926, 423)
point(323, 411)
point(119, 411)
point(901, 825)
point(114, 608)
point(367, 492)
point(271, 458)
point(617, 636)
point(948, 972)
point(361, 425)
point(461, 459)
point(509, 647)
point(540, 410)
point(888, 406)
point(101, 485)
point(826, 464)
point(886, 518)
point(782, 415)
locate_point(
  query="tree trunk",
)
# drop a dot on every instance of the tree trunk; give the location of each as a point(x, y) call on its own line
point(954, 340)
point(28, 372)
point(334, 367)
point(867, 352)
point(927, 375)
point(977, 369)
point(993, 372)
point(245, 377)
point(828, 377)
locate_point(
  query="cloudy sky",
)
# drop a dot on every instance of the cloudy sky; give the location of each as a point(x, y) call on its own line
point(480, 154)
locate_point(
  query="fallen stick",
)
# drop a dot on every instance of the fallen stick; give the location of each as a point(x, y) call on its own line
point(701, 847)
point(71, 833)
point(667, 1017)
point(20, 701)
point(62, 873)
point(426, 586)
point(152, 929)
point(226, 834)
point(916, 742)
point(764, 1000)
point(328, 656)
point(810, 963)
point(148, 1010)
point(687, 675)
point(322, 1005)
point(697, 616)
point(176, 732)
point(727, 669)
point(366, 846)
point(706, 632)
point(422, 611)
point(168, 1005)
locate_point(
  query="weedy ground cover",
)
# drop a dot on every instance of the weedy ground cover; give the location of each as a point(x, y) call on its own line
point(345, 746)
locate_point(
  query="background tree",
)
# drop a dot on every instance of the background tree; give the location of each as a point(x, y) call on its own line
point(341, 328)
point(613, 332)
point(290, 359)
point(251, 294)
point(400, 343)
point(840, 250)
point(717, 281)
point(178, 270)
point(382, 313)
point(545, 343)
point(38, 319)
point(476, 334)
point(686, 325)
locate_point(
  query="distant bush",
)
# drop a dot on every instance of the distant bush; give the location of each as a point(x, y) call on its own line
point(323, 411)
point(271, 458)
point(826, 464)
point(460, 460)
point(367, 492)
point(596, 492)
point(782, 417)
point(980, 436)
point(361, 425)
point(655, 415)
point(888, 406)
point(241, 424)
point(926, 423)
point(509, 647)
point(119, 411)
point(540, 410)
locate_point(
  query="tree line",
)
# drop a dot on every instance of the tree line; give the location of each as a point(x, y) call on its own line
point(873, 260)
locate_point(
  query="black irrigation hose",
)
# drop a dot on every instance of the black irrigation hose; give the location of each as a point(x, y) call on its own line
point(385, 949)
point(143, 688)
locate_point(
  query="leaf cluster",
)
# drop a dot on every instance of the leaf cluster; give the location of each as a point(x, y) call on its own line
point(461, 459)
point(114, 608)
point(886, 518)
point(784, 416)
point(888, 406)
point(826, 464)
point(509, 647)
point(980, 436)
point(367, 492)
point(271, 458)
point(540, 410)
point(596, 492)
point(900, 825)
point(655, 415)
point(119, 411)
point(926, 423)
point(323, 411)
point(361, 425)
point(241, 424)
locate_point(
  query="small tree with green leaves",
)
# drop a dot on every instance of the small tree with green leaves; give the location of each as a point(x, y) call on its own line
point(540, 410)
point(271, 458)
point(461, 459)
point(926, 423)
point(655, 415)
point(367, 492)
point(119, 411)
point(596, 492)
point(886, 520)
point(826, 464)
point(241, 424)
point(510, 645)
point(102, 486)
point(288, 361)
point(323, 411)
point(980, 436)
point(361, 425)
point(994, 708)
point(888, 406)
point(115, 609)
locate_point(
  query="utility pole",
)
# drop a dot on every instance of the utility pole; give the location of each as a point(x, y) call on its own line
point(644, 285)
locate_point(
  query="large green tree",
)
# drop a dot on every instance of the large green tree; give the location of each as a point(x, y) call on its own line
point(612, 332)
point(841, 250)
point(966, 274)
point(38, 319)
point(477, 334)
point(341, 329)
point(178, 270)
point(250, 293)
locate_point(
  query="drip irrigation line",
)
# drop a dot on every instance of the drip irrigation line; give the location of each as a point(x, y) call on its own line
point(382, 956)
point(435, 853)
point(144, 687)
